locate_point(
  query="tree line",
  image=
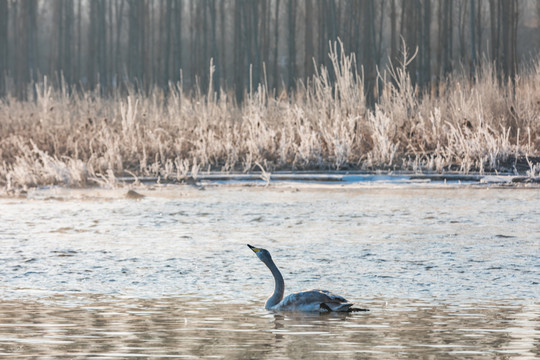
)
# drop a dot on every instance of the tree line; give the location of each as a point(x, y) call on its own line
point(236, 45)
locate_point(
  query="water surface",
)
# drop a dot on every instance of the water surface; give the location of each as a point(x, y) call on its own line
point(449, 271)
point(104, 327)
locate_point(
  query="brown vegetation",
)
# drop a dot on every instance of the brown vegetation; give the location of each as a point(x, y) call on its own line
point(463, 125)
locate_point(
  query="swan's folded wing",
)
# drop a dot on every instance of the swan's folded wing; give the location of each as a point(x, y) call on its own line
point(312, 300)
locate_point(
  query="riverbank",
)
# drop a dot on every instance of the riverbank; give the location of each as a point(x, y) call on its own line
point(466, 126)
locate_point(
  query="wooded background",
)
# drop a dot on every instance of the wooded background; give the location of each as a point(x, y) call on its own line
point(108, 44)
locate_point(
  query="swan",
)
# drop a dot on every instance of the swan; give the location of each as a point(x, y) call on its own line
point(312, 300)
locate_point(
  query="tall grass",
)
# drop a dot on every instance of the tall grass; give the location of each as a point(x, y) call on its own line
point(463, 125)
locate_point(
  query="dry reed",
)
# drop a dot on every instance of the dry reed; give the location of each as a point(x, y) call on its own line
point(78, 139)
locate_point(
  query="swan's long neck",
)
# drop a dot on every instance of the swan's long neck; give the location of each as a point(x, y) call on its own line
point(280, 285)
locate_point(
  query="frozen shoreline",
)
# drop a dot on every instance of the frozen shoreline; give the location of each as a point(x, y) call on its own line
point(130, 186)
point(339, 177)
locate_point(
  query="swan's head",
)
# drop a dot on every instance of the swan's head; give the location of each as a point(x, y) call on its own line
point(262, 254)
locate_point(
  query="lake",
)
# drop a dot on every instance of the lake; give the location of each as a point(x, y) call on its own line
point(448, 270)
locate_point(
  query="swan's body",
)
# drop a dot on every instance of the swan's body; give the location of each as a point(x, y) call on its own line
point(313, 300)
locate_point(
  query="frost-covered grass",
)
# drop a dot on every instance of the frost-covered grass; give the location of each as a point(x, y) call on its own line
point(463, 125)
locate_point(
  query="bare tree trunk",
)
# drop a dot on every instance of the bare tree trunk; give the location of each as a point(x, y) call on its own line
point(205, 63)
point(426, 58)
point(355, 30)
point(223, 39)
point(332, 20)
point(256, 48)
point(55, 38)
point(472, 30)
point(79, 40)
point(322, 33)
point(410, 31)
point(291, 40)
point(133, 57)
point(178, 36)
point(479, 25)
point(349, 25)
point(69, 14)
point(119, 12)
point(447, 54)
point(238, 55)
point(494, 28)
point(102, 44)
point(308, 40)
point(265, 34)
point(462, 10)
point(138, 49)
point(14, 52)
point(506, 34)
point(156, 42)
point(247, 40)
point(110, 43)
point(192, 39)
point(4, 16)
point(167, 49)
point(215, 53)
point(276, 45)
point(438, 54)
point(331, 33)
point(31, 44)
point(509, 37)
point(147, 45)
point(393, 31)
point(92, 58)
point(59, 66)
point(368, 52)
point(379, 31)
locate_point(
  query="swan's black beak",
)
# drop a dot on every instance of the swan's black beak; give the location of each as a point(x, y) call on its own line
point(255, 250)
